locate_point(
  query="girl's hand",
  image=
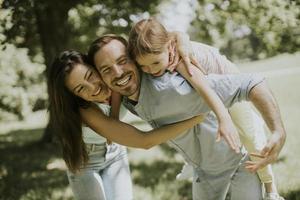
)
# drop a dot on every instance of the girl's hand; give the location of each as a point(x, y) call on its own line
point(186, 53)
point(228, 131)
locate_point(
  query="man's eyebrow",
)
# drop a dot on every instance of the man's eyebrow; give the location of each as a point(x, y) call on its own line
point(103, 66)
point(117, 60)
point(121, 57)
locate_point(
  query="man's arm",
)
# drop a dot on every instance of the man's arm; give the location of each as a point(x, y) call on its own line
point(263, 99)
point(233, 88)
point(226, 128)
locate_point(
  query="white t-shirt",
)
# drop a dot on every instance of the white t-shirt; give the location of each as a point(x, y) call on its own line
point(90, 136)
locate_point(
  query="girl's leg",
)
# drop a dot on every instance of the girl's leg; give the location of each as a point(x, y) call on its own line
point(252, 133)
point(117, 180)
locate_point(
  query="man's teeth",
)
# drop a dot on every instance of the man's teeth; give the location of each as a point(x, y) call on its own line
point(123, 81)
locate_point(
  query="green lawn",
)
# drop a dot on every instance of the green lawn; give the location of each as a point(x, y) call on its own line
point(30, 170)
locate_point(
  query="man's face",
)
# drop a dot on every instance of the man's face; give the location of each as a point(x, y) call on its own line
point(116, 69)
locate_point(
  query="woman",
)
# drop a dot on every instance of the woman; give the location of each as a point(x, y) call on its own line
point(96, 170)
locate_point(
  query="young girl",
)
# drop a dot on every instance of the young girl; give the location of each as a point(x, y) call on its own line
point(153, 49)
point(96, 169)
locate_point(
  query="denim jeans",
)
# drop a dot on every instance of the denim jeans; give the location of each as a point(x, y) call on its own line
point(105, 177)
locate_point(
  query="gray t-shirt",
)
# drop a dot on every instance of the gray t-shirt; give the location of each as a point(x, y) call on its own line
point(170, 98)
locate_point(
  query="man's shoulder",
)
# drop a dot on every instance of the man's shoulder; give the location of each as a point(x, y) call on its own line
point(198, 46)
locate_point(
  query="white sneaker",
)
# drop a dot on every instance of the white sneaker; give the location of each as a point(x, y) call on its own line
point(187, 172)
point(273, 196)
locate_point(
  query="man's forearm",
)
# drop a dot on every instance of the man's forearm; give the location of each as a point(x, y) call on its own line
point(264, 101)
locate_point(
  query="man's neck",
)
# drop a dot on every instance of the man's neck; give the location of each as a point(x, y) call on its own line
point(135, 96)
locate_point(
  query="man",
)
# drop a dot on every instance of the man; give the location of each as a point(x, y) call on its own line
point(169, 98)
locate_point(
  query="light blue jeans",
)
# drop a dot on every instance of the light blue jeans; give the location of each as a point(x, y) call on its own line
point(105, 177)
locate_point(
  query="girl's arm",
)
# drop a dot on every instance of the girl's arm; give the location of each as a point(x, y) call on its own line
point(186, 52)
point(128, 135)
point(226, 127)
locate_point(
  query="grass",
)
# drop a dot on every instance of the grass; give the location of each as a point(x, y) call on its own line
point(30, 170)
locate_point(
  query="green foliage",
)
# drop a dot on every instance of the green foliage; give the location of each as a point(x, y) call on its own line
point(245, 29)
point(91, 19)
point(22, 82)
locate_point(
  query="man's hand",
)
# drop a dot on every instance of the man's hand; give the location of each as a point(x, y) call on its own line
point(228, 131)
point(269, 153)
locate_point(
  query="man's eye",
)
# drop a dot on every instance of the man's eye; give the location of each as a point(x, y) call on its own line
point(105, 70)
point(156, 63)
point(123, 61)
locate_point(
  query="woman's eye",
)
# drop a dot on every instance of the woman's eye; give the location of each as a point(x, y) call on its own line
point(80, 90)
point(90, 75)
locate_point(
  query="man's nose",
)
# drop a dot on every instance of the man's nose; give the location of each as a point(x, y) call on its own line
point(117, 70)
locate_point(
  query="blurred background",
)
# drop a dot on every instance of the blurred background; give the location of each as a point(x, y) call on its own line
point(260, 36)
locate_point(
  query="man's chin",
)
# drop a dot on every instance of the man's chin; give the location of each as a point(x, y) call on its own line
point(130, 91)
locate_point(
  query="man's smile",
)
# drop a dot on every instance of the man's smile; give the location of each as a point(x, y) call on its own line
point(124, 80)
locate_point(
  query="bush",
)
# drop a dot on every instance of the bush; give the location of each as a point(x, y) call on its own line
point(249, 29)
point(22, 83)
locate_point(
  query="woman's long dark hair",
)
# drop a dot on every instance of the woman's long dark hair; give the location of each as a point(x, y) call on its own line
point(64, 109)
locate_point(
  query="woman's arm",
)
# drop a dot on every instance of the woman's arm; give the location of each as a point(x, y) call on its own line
point(226, 127)
point(116, 99)
point(128, 135)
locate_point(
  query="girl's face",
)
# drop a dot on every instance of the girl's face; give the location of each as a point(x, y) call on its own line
point(85, 82)
point(156, 64)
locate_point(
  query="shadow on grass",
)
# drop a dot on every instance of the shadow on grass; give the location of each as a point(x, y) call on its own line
point(23, 171)
point(294, 195)
point(160, 177)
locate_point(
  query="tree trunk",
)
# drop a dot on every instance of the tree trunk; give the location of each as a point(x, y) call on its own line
point(54, 32)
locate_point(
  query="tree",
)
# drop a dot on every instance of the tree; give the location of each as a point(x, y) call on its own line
point(249, 29)
point(49, 27)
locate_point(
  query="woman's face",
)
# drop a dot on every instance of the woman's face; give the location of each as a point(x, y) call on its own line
point(85, 82)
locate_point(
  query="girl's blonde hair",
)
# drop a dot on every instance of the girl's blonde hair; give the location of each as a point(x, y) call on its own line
point(147, 36)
